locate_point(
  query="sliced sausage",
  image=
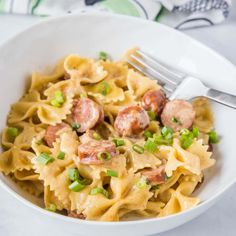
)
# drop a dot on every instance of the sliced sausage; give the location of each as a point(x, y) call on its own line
point(131, 120)
point(178, 114)
point(51, 133)
point(88, 152)
point(156, 176)
point(74, 214)
point(86, 113)
point(154, 100)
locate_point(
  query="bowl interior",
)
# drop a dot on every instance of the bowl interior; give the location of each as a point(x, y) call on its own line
point(41, 46)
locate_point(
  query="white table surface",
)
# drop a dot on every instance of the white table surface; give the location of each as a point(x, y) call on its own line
point(17, 219)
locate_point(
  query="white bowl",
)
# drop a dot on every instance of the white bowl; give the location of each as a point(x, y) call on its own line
point(41, 46)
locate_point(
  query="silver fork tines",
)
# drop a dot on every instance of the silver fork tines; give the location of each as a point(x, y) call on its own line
point(177, 84)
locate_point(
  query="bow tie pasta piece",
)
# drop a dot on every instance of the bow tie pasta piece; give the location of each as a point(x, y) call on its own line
point(106, 91)
point(23, 175)
point(18, 156)
point(180, 200)
point(55, 174)
point(39, 82)
point(31, 104)
point(199, 149)
point(138, 84)
point(86, 70)
point(180, 158)
point(204, 119)
point(117, 71)
point(115, 107)
point(51, 198)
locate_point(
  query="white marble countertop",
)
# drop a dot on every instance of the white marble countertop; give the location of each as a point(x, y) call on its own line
point(17, 219)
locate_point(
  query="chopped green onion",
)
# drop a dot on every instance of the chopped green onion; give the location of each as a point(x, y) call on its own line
point(104, 88)
point(167, 177)
point(166, 131)
point(186, 140)
point(147, 134)
point(184, 131)
point(119, 142)
point(195, 132)
point(160, 140)
point(150, 145)
point(152, 115)
point(137, 148)
point(75, 126)
point(103, 55)
point(58, 99)
point(51, 207)
point(175, 120)
point(112, 173)
point(104, 156)
point(95, 191)
point(44, 158)
point(12, 132)
point(76, 186)
point(96, 136)
point(83, 95)
point(61, 155)
point(155, 187)
point(73, 174)
point(142, 183)
point(213, 137)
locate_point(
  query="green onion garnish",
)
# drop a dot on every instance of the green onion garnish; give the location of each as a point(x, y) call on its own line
point(44, 158)
point(103, 55)
point(112, 173)
point(12, 132)
point(97, 190)
point(104, 88)
point(51, 207)
point(175, 120)
point(75, 126)
point(147, 134)
point(76, 186)
point(119, 142)
point(186, 140)
point(160, 140)
point(138, 149)
point(142, 183)
point(73, 174)
point(155, 187)
point(83, 95)
point(167, 131)
point(104, 156)
point(58, 99)
point(150, 145)
point(96, 136)
point(213, 137)
point(152, 115)
point(61, 155)
point(195, 132)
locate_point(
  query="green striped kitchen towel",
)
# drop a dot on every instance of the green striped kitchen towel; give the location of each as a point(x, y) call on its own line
point(180, 14)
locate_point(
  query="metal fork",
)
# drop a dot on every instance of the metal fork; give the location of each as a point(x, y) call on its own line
point(177, 84)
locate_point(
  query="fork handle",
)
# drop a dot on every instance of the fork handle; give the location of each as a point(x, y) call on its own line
point(222, 97)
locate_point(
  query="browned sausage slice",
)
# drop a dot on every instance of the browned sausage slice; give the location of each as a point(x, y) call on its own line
point(156, 176)
point(178, 114)
point(154, 100)
point(51, 133)
point(88, 152)
point(131, 120)
point(86, 113)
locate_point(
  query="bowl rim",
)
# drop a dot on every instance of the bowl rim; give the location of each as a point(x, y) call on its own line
point(206, 203)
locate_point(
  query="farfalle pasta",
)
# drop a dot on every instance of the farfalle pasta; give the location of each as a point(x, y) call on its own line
point(97, 140)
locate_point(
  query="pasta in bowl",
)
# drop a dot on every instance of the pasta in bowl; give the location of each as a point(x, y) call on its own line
point(100, 141)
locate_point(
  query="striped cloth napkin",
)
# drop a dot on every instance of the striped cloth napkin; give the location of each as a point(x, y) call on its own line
point(180, 14)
